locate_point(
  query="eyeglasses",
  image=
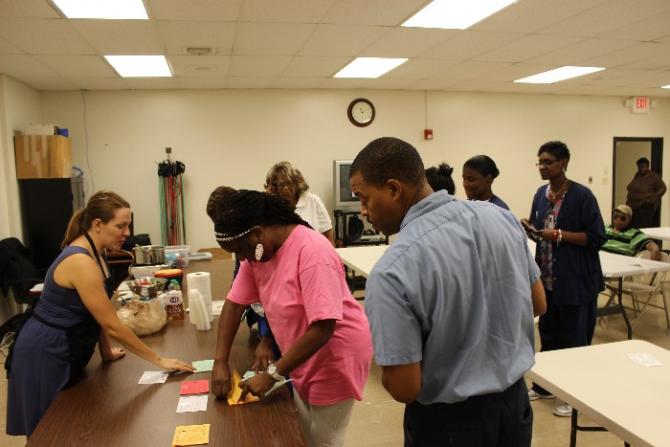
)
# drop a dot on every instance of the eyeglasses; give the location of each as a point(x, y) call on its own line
point(545, 163)
point(277, 185)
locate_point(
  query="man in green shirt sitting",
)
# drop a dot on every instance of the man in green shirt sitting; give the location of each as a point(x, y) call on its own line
point(623, 240)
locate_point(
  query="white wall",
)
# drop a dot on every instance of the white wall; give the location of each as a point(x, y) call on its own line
point(19, 105)
point(233, 136)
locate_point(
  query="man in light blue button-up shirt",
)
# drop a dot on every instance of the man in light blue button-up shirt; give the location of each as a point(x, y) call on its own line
point(449, 305)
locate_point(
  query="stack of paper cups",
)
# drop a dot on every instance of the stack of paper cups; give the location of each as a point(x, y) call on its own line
point(202, 282)
point(197, 310)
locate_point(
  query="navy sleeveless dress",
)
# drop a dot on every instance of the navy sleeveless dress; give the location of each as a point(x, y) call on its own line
point(41, 365)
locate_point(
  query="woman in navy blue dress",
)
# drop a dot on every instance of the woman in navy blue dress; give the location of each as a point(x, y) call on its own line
point(73, 314)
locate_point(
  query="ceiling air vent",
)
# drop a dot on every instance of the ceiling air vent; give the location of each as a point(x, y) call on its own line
point(200, 51)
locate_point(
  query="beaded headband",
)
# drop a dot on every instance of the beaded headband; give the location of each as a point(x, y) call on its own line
point(224, 237)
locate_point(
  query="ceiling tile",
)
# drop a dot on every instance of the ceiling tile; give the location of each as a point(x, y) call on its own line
point(271, 38)
point(638, 52)
point(32, 9)
point(341, 40)
point(527, 47)
point(469, 70)
point(314, 66)
point(202, 83)
point(49, 83)
point(513, 72)
point(257, 66)
point(581, 53)
point(200, 66)
point(430, 84)
point(372, 12)
point(298, 83)
point(339, 83)
point(419, 69)
point(607, 16)
point(468, 44)
point(178, 35)
point(23, 65)
point(614, 77)
point(206, 10)
point(385, 83)
point(85, 66)
point(247, 82)
point(293, 11)
point(407, 42)
point(152, 83)
point(527, 16)
point(121, 36)
point(43, 36)
point(8, 48)
point(652, 28)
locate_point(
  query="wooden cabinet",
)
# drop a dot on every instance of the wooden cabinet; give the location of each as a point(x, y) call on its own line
point(42, 156)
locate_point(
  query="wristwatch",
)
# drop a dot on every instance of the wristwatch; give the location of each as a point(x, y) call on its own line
point(272, 371)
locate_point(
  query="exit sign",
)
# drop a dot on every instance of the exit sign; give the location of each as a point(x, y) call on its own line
point(641, 104)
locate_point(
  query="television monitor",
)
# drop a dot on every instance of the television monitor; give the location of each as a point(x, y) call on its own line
point(344, 199)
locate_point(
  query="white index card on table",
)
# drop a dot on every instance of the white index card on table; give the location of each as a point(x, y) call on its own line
point(644, 359)
point(192, 403)
point(150, 377)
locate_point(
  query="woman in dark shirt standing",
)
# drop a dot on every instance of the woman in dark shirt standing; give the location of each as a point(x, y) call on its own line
point(565, 222)
point(478, 175)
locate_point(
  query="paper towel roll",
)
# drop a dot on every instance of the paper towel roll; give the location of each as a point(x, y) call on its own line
point(198, 312)
point(202, 281)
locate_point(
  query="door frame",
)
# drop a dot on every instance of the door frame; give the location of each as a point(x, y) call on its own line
point(656, 162)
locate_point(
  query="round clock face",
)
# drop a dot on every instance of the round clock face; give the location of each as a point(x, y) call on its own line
point(361, 112)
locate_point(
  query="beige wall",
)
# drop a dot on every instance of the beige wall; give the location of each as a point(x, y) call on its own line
point(233, 136)
point(19, 105)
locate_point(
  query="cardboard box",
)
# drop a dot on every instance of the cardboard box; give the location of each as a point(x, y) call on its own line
point(42, 156)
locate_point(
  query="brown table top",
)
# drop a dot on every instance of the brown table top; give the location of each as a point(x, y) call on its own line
point(109, 408)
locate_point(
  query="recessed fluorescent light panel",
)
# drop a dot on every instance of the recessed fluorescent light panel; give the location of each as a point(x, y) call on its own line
point(559, 74)
point(370, 67)
point(102, 9)
point(140, 66)
point(455, 14)
point(666, 86)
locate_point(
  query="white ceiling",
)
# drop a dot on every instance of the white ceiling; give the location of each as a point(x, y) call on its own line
point(302, 43)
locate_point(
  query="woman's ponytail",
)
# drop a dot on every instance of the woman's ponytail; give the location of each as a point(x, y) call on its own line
point(75, 227)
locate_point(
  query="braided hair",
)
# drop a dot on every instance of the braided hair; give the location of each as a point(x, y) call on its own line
point(237, 213)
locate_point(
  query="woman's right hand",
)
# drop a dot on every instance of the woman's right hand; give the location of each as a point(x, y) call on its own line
point(174, 365)
point(220, 379)
point(264, 354)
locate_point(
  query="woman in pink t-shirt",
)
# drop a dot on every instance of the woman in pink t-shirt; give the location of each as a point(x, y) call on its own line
point(295, 273)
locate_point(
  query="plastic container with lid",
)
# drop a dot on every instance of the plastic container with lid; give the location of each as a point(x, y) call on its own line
point(177, 255)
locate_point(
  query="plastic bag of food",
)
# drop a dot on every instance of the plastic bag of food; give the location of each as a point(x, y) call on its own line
point(143, 317)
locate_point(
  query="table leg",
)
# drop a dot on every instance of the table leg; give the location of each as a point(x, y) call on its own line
point(573, 428)
point(617, 309)
point(623, 310)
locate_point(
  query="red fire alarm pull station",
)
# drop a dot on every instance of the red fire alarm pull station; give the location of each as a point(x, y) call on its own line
point(427, 134)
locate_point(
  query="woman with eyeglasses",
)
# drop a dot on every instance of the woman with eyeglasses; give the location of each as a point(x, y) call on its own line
point(565, 222)
point(299, 279)
point(626, 240)
point(288, 182)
